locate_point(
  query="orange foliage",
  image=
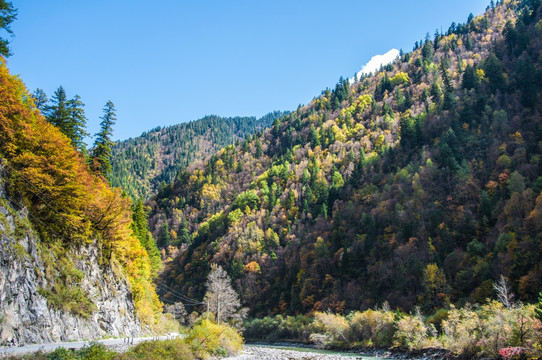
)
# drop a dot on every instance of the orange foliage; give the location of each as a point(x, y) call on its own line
point(67, 203)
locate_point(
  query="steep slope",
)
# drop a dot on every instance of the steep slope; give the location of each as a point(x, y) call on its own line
point(141, 164)
point(419, 185)
point(70, 265)
point(26, 315)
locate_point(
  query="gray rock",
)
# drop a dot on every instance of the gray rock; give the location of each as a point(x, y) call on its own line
point(25, 316)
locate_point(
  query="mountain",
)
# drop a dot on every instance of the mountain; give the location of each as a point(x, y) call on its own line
point(71, 266)
point(141, 164)
point(419, 185)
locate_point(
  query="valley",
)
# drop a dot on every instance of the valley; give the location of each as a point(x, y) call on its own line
point(397, 214)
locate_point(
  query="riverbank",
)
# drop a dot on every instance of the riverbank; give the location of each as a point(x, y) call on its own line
point(257, 352)
point(282, 351)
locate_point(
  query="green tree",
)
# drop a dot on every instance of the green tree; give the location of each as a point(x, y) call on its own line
point(40, 100)
point(57, 113)
point(101, 151)
point(77, 122)
point(67, 115)
point(516, 183)
point(314, 139)
point(140, 228)
point(259, 150)
point(470, 78)
point(7, 14)
point(538, 309)
point(494, 72)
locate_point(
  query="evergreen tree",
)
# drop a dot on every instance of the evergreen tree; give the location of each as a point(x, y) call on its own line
point(77, 122)
point(494, 72)
point(101, 151)
point(141, 230)
point(313, 137)
point(7, 14)
point(57, 113)
point(67, 115)
point(470, 78)
point(40, 100)
point(259, 150)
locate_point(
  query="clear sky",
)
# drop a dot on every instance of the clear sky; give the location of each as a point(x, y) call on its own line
point(164, 62)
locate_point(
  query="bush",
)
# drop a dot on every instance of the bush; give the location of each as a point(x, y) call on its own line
point(461, 331)
point(176, 349)
point(412, 333)
point(335, 326)
point(279, 328)
point(207, 337)
point(372, 327)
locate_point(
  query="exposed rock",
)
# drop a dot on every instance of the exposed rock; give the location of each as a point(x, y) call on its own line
point(25, 315)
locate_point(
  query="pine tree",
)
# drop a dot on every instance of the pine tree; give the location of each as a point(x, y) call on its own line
point(141, 230)
point(57, 113)
point(101, 151)
point(67, 115)
point(77, 123)
point(40, 100)
point(7, 14)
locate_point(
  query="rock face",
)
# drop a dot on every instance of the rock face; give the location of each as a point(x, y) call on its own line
point(26, 317)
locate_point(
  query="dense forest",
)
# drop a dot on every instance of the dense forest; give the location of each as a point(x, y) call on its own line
point(140, 165)
point(418, 185)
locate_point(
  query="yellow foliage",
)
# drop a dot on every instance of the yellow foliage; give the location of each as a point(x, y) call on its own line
point(400, 78)
point(208, 338)
point(82, 208)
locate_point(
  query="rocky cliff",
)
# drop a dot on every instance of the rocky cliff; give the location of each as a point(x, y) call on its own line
point(27, 317)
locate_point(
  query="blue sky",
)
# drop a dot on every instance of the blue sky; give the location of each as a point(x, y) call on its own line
point(165, 62)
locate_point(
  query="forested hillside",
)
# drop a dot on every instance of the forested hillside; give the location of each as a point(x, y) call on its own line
point(419, 185)
point(141, 164)
point(83, 226)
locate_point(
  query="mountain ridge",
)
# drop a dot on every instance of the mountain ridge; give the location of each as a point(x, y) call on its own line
point(398, 188)
point(141, 164)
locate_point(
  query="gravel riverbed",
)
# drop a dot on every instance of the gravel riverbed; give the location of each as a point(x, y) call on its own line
point(270, 353)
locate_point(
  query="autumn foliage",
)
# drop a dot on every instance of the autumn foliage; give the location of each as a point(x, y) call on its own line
point(68, 205)
point(419, 185)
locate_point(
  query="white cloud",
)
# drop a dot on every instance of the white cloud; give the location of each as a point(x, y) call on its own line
point(377, 61)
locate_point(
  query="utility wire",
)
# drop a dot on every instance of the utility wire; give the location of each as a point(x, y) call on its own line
point(184, 299)
point(14, 203)
point(168, 289)
point(39, 194)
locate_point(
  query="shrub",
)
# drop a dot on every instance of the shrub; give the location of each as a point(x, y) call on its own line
point(279, 328)
point(176, 349)
point(372, 327)
point(96, 351)
point(412, 333)
point(207, 337)
point(461, 331)
point(335, 326)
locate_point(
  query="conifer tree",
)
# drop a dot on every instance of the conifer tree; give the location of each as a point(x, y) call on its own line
point(101, 151)
point(7, 14)
point(40, 100)
point(140, 228)
point(57, 113)
point(77, 123)
point(67, 115)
